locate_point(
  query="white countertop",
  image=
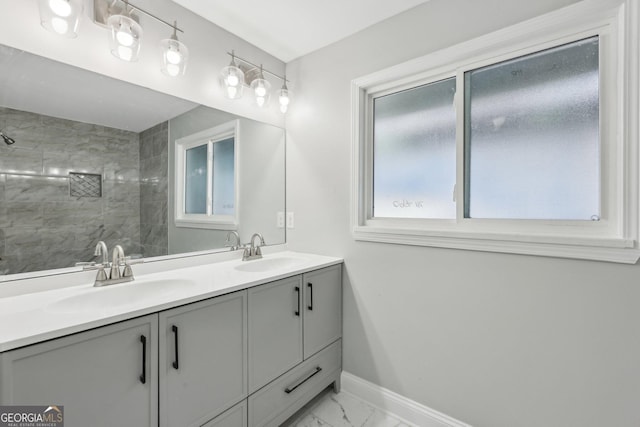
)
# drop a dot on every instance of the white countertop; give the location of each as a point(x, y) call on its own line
point(38, 316)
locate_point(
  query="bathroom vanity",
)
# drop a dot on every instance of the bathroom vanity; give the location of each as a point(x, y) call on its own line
point(227, 343)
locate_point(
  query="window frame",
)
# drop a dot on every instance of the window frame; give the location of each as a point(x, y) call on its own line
point(206, 137)
point(614, 238)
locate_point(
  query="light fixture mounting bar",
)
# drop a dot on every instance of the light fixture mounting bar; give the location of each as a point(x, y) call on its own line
point(233, 55)
point(139, 9)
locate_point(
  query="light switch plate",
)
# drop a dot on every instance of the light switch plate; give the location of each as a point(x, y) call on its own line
point(280, 220)
point(290, 220)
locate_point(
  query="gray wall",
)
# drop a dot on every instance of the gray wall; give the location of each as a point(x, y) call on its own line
point(41, 225)
point(491, 339)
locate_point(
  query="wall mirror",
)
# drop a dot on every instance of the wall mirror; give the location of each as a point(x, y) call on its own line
point(94, 159)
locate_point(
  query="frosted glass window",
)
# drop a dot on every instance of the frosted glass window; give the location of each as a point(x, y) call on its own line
point(223, 178)
point(414, 150)
point(196, 180)
point(532, 136)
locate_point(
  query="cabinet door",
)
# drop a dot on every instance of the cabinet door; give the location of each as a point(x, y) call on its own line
point(203, 359)
point(103, 377)
point(275, 330)
point(322, 308)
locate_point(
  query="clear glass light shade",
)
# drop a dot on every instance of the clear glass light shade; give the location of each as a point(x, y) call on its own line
point(232, 81)
point(261, 90)
point(284, 98)
point(60, 16)
point(174, 57)
point(125, 38)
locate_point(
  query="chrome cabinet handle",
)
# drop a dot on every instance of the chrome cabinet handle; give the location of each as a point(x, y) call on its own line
point(305, 379)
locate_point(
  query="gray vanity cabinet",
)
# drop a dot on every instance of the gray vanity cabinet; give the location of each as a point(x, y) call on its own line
point(203, 362)
point(275, 330)
point(290, 320)
point(102, 377)
point(322, 308)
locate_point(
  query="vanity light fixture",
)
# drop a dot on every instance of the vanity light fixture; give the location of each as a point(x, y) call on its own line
point(283, 96)
point(233, 79)
point(174, 54)
point(60, 16)
point(125, 36)
point(261, 89)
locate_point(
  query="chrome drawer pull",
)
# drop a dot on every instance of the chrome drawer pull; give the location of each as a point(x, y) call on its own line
point(307, 378)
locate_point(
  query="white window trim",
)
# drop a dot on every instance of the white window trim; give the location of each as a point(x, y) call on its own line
point(209, 221)
point(613, 239)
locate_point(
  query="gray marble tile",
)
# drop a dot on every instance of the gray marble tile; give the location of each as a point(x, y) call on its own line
point(121, 171)
point(121, 191)
point(20, 188)
point(160, 143)
point(154, 168)
point(3, 179)
point(1, 243)
point(62, 162)
point(154, 235)
point(20, 160)
point(82, 211)
point(149, 251)
point(22, 241)
point(21, 214)
point(154, 212)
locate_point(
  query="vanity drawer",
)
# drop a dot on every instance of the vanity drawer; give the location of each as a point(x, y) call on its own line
point(295, 388)
point(234, 417)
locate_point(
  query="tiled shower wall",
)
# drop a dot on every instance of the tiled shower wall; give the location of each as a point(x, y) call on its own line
point(153, 190)
point(41, 225)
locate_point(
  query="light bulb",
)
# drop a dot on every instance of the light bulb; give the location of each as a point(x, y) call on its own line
point(284, 99)
point(260, 91)
point(232, 92)
point(125, 53)
point(260, 101)
point(173, 69)
point(60, 7)
point(283, 108)
point(124, 36)
point(59, 25)
point(173, 56)
point(232, 80)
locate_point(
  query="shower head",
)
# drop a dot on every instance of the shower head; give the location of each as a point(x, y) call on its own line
point(7, 139)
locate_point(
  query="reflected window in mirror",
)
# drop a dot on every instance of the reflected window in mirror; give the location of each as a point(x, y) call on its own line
point(206, 166)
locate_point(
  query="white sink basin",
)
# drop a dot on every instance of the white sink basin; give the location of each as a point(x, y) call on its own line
point(119, 295)
point(268, 264)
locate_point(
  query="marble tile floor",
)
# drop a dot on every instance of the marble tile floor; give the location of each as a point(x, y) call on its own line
point(342, 410)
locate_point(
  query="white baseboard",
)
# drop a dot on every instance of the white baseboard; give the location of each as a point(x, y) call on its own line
point(392, 402)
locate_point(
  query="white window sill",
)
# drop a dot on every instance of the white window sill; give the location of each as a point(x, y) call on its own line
point(213, 225)
point(598, 249)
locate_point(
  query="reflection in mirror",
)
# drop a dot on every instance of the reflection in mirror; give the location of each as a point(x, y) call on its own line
point(94, 159)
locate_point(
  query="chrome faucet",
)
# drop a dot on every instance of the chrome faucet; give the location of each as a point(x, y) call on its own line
point(252, 251)
point(101, 249)
point(237, 244)
point(116, 256)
